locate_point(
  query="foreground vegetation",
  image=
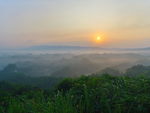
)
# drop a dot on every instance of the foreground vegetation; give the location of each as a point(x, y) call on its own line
point(86, 94)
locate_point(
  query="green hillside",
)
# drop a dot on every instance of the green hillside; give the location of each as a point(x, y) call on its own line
point(85, 94)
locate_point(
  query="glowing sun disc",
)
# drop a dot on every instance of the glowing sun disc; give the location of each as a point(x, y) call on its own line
point(98, 38)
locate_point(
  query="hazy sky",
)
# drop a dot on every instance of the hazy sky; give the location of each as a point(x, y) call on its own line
point(120, 23)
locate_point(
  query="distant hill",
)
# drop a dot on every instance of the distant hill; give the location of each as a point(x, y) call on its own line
point(61, 47)
point(141, 49)
point(138, 70)
point(70, 47)
point(11, 74)
point(148, 48)
point(67, 47)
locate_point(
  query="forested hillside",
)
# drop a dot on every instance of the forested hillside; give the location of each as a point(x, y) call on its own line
point(107, 91)
point(86, 94)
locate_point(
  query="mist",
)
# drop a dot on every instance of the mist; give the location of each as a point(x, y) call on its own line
point(72, 61)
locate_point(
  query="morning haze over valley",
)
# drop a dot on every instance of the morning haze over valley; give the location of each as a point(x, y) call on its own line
point(74, 56)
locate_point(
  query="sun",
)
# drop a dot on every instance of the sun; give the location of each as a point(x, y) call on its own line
point(98, 38)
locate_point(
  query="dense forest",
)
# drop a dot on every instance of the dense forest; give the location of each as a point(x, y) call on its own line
point(102, 92)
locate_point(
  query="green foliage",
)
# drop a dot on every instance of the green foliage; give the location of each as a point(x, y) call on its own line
point(138, 70)
point(86, 94)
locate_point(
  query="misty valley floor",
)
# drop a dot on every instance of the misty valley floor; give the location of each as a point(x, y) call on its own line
point(69, 83)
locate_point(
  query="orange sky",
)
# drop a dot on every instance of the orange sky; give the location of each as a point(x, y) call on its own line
point(79, 22)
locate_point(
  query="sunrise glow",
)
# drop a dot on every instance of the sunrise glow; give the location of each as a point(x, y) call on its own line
point(56, 22)
point(98, 39)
